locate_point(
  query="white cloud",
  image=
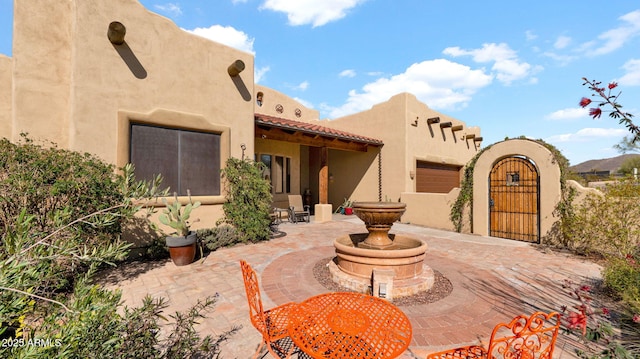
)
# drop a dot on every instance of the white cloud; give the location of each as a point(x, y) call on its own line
point(347, 73)
point(259, 73)
point(632, 75)
point(315, 12)
point(562, 59)
point(506, 64)
point(169, 8)
point(587, 134)
point(302, 86)
point(438, 83)
point(568, 114)
point(304, 103)
point(226, 35)
point(530, 35)
point(562, 42)
point(613, 39)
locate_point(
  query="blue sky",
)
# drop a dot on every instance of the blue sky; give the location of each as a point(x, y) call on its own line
point(512, 68)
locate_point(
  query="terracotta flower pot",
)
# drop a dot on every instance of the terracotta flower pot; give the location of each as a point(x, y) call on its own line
point(182, 249)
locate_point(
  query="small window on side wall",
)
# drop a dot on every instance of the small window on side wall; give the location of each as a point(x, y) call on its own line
point(259, 97)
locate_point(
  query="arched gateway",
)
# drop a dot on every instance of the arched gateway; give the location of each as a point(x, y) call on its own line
point(516, 186)
point(514, 200)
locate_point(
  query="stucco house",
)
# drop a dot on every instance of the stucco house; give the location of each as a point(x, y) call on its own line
point(116, 80)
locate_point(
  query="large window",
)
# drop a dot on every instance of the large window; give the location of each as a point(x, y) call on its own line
point(278, 172)
point(187, 160)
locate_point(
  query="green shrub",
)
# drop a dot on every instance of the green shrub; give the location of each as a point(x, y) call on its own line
point(48, 257)
point(221, 236)
point(93, 327)
point(54, 185)
point(606, 225)
point(622, 275)
point(61, 212)
point(248, 199)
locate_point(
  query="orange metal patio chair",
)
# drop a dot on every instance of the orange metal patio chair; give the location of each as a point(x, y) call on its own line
point(297, 210)
point(272, 324)
point(524, 337)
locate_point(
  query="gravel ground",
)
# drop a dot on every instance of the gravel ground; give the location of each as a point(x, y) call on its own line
point(442, 287)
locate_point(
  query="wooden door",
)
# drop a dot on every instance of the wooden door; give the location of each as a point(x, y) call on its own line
point(514, 200)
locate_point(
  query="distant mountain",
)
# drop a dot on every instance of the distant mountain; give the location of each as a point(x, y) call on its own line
point(610, 165)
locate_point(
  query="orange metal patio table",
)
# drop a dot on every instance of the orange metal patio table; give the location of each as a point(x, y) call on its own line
point(349, 325)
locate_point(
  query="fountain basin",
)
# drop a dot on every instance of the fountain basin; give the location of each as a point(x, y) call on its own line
point(405, 256)
point(378, 217)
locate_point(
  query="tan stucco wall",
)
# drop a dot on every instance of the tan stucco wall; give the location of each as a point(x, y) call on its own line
point(284, 149)
point(549, 184)
point(582, 192)
point(42, 74)
point(434, 208)
point(404, 144)
point(71, 82)
point(271, 101)
point(72, 86)
point(6, 97)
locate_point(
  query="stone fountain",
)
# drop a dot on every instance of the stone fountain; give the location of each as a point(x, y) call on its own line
point(360, 256)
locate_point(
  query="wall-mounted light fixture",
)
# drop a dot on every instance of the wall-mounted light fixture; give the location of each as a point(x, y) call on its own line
point(412, 174)
point(116, 33)
point(415, 122)
point(235, 68)
point(433, 120)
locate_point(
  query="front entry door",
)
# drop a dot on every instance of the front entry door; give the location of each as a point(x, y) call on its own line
point(514, 200)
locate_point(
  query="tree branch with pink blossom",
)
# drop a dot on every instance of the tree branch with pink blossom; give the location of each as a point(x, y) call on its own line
point(607, 99)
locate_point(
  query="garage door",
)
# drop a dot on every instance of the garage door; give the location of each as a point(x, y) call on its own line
point(436, 178)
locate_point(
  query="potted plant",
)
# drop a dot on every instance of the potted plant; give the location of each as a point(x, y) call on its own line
point(348, 210)
point(346, 207)
point(182, 243)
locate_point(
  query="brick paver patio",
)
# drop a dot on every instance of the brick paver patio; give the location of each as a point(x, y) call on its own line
point(493, 280)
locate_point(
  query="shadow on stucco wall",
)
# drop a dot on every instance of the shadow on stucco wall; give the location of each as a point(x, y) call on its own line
point(242, 88)
point(131, 60)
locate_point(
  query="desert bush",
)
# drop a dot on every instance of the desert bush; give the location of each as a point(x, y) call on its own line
point(223, 235)
point(627, 167)
point(248, 199)
point(622, 275)
point(55, 185)
point(93, 327)
point(606, 224)
point(48, 306)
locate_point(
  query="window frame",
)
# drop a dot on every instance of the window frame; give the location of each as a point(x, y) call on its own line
point(166, 118)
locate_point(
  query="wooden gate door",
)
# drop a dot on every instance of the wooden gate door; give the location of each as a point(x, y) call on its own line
point(514, 200)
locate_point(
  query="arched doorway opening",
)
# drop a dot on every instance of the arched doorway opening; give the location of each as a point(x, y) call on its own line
point(514, 199)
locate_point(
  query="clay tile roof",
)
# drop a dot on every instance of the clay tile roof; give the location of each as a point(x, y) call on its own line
point(315, 129)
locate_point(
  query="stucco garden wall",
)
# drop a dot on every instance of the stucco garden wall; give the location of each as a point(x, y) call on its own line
point(5, 96)
point(430, 209)
point(549, 182)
